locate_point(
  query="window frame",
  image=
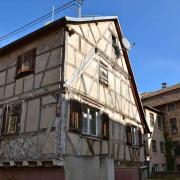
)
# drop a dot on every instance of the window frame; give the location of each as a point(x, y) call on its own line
point(102, 121)
point(171, 107)
point(20, 64)
point(154, 145)
point(133, 136)
point(102, 80)
point(7, 119)
point(87, 111)
point(173, 126)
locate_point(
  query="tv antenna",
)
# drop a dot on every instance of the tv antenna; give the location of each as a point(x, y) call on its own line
point(79, 4)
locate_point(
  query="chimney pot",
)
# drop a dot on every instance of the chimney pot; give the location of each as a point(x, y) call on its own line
point(164, 85)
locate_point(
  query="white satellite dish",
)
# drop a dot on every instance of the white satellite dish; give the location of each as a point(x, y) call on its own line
point(126, 44)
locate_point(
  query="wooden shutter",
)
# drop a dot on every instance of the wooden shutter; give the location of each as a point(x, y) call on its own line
point(29, 61)
point(75, 116)
point(4, 123)
point(19, 65)
point(128, 135)
point(140, 137)
point(105, 126)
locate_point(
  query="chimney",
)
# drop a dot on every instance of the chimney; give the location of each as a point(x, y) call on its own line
point(164, 85)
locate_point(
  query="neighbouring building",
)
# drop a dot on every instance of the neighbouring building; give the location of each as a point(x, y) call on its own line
point(167, 100)
point(69, 104)
point(155, 142)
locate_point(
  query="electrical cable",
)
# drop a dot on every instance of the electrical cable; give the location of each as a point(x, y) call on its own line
point(38, 20)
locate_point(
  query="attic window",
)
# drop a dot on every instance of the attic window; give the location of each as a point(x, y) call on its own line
point(103, 74)
point(115, 46)
point(11, 119)
point(25, 63)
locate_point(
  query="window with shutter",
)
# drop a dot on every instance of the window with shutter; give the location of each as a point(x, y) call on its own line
point(103, 74)
point(134, 136)
point(90, 121)
point(75, 116)
point(105, 126)
point(11, 119)
point(25, 63)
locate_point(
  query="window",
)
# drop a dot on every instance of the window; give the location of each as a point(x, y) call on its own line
point(87, 120)
point(75, 116)
point(159, 120)
point(163, 167)
point(115, 46)
point(90, 121)
point(162, 147)
point(25, 63)
point(156, 168)
point(171, 107)
point(11, 119)
point(173, 126)
point(176, 148)
point(134, 136)
point(151, 119)
point(154, 147)
point(103, 74)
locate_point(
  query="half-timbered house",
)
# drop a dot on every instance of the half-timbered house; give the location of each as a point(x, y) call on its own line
point(68, 100)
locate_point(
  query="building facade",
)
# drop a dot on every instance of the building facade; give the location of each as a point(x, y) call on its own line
point(167, 100)
point(67, 97)
point(155, 147)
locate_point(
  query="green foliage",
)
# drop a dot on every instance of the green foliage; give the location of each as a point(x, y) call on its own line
point(170, 161)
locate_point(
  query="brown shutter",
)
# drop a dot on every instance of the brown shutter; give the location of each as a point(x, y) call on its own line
point(19, 65)
point(75, 123)
point(105, 126)
point(4, 123)
point(140, 137)
point(128, 135)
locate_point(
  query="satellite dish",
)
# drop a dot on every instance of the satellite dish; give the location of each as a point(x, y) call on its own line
point(126, 44)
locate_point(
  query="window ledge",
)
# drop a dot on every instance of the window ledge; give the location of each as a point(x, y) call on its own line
point(135, 146)
point(93, 137)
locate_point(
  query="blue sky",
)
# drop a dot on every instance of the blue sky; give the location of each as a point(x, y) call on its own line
point(154, 26)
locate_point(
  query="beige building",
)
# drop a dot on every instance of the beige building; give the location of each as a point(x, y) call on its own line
point(167, 100)
point(69, 102)
point(155, 147)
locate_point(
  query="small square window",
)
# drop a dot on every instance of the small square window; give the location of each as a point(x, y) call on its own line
point(25, 63)
point(11, 119)
point(171, 107)
point(103, 74)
